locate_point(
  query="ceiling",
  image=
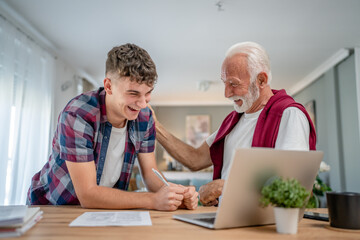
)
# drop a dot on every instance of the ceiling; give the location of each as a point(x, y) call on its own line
point(187, 39)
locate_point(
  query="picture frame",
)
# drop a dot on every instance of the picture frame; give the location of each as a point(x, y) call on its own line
point(197, 129)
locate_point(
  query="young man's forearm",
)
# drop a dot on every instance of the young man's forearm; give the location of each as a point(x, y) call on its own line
point(110, 198)
point(193, 158)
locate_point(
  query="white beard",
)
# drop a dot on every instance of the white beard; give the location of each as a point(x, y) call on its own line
point(247, 100)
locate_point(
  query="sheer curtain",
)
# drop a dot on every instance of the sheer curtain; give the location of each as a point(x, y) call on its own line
point(26, 75)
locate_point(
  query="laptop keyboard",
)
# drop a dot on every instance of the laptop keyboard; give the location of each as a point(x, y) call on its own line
point(207, 220)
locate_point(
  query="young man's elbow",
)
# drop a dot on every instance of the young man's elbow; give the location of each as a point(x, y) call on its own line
point(88, 203)
point(85, 203)
point(87, 199)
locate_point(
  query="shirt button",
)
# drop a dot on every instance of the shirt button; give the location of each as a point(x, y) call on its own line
point(106, 137)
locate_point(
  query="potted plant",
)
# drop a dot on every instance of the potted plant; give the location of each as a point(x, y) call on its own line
point(287, 196)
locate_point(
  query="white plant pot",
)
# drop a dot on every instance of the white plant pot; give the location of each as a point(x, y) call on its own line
point(286, 220)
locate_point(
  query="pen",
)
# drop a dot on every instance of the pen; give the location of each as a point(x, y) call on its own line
point(160, 176)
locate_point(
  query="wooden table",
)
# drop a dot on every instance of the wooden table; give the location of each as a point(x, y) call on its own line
point(55, 225)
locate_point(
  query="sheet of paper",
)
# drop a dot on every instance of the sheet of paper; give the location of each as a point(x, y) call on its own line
point(123, 218)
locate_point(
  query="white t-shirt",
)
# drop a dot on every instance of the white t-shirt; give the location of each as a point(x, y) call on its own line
point(293, 134)
point(114, 157)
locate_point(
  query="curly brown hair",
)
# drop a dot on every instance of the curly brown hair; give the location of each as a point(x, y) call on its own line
point(129, 60)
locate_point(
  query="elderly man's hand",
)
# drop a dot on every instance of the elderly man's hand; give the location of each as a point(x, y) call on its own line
point(209, 193)
point(153, 112)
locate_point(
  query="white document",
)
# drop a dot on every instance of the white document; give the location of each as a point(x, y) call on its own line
point(101, 219)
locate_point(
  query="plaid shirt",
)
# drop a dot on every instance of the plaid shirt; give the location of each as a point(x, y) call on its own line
point(83, 135)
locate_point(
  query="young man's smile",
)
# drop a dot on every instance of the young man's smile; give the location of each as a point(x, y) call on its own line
point(125, 99)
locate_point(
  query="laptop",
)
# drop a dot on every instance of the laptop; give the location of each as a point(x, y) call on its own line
point(250, 169)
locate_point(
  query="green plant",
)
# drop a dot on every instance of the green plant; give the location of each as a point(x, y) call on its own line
point(286, 193)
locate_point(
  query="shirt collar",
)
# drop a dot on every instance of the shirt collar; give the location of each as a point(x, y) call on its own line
point(102, 94)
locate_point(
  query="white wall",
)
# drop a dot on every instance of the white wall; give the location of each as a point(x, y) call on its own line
point(64, 73)
point(337, 123)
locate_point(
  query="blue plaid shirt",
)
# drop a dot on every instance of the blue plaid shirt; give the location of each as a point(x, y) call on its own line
point(83, 135)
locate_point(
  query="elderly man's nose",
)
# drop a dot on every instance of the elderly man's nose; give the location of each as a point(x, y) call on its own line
point(228, 91)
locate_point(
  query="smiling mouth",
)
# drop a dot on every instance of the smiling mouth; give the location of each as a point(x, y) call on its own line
point(133, 109)
point(237, 101)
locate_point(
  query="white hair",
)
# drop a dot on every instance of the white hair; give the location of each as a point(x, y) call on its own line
point(257, 58)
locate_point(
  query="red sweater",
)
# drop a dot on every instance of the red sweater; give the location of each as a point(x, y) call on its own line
point(266, 129)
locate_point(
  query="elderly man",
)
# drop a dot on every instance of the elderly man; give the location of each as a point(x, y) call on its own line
point(262, 118)
point(99, 136)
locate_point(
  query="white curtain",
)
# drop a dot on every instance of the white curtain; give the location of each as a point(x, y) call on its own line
point(26, 75)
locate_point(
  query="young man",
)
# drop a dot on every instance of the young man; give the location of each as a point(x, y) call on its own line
point(98, 138)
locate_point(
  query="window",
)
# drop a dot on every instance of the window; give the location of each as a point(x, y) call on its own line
point(26, 75)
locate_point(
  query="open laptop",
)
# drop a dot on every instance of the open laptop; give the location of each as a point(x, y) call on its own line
point(250, 169)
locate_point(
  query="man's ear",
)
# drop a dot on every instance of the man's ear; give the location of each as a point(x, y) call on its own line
point(107, 86)
point(262, 79)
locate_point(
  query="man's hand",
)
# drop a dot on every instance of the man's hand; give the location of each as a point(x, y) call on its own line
point(153, 113)
point(168, 198)
point(210, 192)
point(190, 200)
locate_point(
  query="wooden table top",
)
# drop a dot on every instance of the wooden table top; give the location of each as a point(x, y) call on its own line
point(56, 219)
